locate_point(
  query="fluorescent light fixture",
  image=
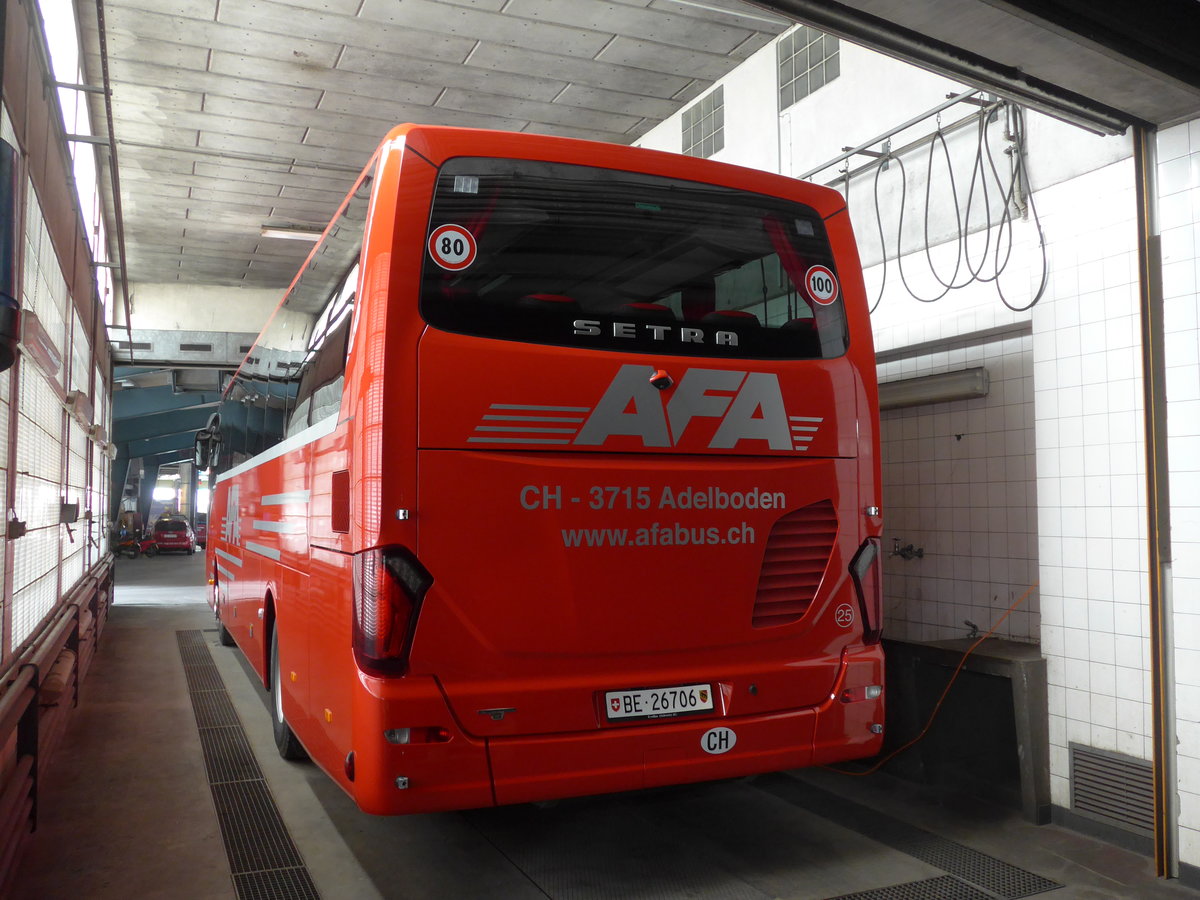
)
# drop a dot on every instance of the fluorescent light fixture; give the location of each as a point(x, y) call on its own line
point(290, 233)
point(965, 384)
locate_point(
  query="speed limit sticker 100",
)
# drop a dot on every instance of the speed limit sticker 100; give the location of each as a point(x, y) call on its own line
point(452, 247)
point(822, 284)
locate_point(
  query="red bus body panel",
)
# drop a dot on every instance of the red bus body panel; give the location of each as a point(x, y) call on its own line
point(559, 573)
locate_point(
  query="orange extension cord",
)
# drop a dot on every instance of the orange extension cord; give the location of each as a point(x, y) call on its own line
point(945, 691)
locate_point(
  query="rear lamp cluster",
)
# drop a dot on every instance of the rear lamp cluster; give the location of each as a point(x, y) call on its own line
point(868, 584)
point(389, 586)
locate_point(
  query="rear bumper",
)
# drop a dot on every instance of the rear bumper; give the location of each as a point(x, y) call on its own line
point(465, 772)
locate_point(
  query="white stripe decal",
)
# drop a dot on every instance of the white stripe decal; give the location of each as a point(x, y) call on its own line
point(528, 429)
point(299, 439)
point(817, 419)
point(289, 497)
point(533, 418)
point(500, 440)
point(268, 552)
point(229, 557)
point(279, 527)
point(522, 406)
point(226, 574)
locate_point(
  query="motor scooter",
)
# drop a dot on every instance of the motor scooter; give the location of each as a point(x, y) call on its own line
point(133, 546)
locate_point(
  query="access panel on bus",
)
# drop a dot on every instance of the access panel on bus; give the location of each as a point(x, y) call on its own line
point(642, 439)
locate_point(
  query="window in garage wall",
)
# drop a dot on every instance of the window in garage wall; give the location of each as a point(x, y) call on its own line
point(704, 124)
point(97, 498)
point(39, 451)
point(808, 60)
point(7, 134)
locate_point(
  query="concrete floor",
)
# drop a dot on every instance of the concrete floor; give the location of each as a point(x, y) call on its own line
point(126, 811)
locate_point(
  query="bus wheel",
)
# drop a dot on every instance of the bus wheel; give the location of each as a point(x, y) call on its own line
point(223, 635)
point(285, 740)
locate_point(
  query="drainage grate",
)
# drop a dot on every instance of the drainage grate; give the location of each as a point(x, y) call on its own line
point(978, 869)
point(262, 857)
point(947, 887)
point(281, 884)
point(1113, 788)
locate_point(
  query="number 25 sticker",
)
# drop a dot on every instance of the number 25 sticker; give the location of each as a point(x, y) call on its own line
point(452, 247)
point(821, 284)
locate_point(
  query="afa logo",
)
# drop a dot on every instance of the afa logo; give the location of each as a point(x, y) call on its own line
point(743, 410)
point(749, 406)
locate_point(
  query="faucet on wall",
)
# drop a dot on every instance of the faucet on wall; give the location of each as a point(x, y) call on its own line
point(907, 551)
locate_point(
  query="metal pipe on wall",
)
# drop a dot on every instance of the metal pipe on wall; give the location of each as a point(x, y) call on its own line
point(1158, 506)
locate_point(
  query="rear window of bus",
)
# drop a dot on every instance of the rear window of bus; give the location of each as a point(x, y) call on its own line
point(572, 255)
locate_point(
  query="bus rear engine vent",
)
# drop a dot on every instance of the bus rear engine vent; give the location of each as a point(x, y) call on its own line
point(795, 559)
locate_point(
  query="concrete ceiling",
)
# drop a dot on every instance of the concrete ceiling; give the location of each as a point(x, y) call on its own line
point(234, 114)
point(231, 115)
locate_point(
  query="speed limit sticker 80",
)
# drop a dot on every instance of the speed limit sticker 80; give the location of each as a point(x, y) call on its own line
point(821, 284)
point(452, 247)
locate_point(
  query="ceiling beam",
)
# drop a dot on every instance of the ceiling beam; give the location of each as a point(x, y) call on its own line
point(147, 401)
point(971, 68)
point(162, 424)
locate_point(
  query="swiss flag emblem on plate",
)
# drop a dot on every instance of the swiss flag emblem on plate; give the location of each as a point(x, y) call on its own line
point(615, 704)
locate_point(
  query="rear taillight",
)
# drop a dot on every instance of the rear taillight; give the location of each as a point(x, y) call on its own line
point(866, 570)
point(389, 585)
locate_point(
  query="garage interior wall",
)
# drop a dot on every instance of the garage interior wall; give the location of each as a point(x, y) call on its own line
point(1179, 224)
point(54, 409)
point(1042, 483)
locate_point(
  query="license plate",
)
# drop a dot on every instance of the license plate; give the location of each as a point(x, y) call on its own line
point(657, 703)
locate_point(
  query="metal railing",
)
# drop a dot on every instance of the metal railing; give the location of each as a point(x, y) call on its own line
point(31, 725)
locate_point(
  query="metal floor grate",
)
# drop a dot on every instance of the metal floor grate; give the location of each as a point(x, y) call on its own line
point(262, 857)
point(947, 887)
point(976, 869)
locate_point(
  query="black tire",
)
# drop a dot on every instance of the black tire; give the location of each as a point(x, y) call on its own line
point(224, 636)
point(285, 740)
point(152, 550)
point(132, 552)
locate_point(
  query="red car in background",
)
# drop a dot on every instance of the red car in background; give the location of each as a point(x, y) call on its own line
point(174, 534)
point(201, 529)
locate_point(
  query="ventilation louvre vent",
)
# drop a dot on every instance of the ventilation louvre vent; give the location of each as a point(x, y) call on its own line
point(795, 559)
point(1113, 788)
point(196, 348)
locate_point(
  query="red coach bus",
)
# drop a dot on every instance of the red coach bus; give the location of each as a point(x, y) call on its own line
point(556, 472)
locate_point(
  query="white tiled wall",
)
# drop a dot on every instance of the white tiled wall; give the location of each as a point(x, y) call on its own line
point(1179, 222)
point(958, 482)
point(1091, 473)
point(1074, 384)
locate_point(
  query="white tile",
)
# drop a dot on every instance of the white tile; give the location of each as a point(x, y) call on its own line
point(1060, 790)
point(1129, 742)
point(1172, 143)
point(1179, 279)
point(1103, 738)
point(1178, 174)
point(1127, 651)
point(1103, 712)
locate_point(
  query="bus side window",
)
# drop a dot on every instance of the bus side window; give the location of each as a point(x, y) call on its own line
point(321, 383)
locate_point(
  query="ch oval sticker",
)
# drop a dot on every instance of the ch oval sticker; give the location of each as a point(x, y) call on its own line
point(718, 740)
